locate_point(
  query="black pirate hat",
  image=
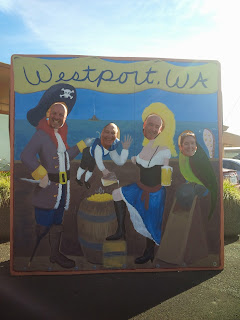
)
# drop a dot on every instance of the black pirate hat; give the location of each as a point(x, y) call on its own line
point(60, 92)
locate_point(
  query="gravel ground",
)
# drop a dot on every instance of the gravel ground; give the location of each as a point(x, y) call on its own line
point(197, 295)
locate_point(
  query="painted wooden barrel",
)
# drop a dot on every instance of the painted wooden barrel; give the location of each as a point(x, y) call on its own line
point(115, 254)
point(96, 221)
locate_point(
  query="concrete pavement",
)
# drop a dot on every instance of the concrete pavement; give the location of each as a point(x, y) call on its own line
point(195, 295)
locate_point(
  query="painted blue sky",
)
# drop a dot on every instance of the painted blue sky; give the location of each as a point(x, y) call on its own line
point(186, 29)
point(129, 106)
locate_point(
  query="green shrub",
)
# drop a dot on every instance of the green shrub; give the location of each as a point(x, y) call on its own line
point(230, 192)
point(231, 202)
point(4, 189)
point(4, 173)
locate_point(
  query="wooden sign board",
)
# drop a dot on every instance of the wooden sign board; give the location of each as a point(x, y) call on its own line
point(115, 165)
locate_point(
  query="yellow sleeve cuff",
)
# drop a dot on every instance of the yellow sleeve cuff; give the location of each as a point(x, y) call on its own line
point(39, 173)
point(81, 145)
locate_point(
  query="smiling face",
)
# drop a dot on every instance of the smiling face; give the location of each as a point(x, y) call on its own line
point(109, 135)
point(153, 127)
point(188, 146)
point(57, 116)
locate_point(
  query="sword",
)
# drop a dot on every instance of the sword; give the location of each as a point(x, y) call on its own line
point(33, 181)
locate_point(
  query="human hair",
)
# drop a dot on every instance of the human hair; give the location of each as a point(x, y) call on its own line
point(156, 115)
point(186, 134)
point(112, 123)
point(165, 138)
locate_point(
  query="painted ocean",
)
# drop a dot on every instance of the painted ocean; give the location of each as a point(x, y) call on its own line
point(82, 129)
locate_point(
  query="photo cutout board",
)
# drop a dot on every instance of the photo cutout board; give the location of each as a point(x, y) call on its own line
point(115, 165)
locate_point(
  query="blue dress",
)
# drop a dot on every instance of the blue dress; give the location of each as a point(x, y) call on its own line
point(147, 221)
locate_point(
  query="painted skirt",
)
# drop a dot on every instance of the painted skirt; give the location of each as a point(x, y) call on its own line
point(146, 222)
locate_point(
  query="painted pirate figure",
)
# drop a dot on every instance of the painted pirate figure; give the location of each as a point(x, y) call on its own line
point(52, 195)
point(101, 147)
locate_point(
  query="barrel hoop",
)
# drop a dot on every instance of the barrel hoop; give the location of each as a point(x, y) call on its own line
point(90, 245)
point(99, 219)
point(114, 253)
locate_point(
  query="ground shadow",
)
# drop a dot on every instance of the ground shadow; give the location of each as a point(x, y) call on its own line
point(229, 240)
point(100, 296)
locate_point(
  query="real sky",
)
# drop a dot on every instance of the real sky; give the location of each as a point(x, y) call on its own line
point(186, 29)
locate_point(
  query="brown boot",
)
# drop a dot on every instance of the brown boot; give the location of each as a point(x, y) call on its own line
point(56, 255)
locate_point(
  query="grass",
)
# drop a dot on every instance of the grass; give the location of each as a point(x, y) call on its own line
point(230, 192)
point(231, 202)
point(4, 189)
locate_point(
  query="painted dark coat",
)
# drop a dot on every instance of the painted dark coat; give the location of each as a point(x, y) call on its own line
point(41, 144)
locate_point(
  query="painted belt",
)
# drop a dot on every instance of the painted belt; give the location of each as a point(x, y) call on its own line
point(146, 190)
point(61, 177)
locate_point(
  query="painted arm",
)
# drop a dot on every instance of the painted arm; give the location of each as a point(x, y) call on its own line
point(119, 159)
point(30, 160)
point(98, 154)
point(166, 157)
point(134, 159)
point(166, 161)
point(74, 151)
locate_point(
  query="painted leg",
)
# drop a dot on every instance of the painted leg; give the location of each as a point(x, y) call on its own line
point(56, 255)
point(80, 172)
point(41, 231)
point(120, 209)
point(148, 252)
point(87, 177)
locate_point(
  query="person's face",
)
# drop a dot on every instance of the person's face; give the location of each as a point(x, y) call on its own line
point(189, 146)
point(109, 135)
point(152, 127)
point(57, 116)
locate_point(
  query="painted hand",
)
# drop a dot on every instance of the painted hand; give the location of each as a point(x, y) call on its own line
point(127, 142)
point(44, 181)
point(110, 176)
point(89, 141)
point(105, 172)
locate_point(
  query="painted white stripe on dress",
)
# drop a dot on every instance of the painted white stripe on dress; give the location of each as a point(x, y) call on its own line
point(136, 219)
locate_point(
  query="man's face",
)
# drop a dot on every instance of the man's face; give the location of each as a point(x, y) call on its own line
point(189, 146)
point(57, 116)
point(153, 127)
point(109, 135)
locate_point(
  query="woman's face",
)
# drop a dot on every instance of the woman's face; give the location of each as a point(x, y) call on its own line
point(109, 135)
point(189, 146)
point(152, 127)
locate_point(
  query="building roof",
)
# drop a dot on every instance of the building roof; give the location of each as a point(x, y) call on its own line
point(230, 140)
